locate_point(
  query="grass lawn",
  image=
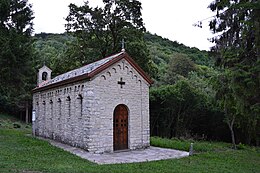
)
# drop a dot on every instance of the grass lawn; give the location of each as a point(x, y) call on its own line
point(20, 152)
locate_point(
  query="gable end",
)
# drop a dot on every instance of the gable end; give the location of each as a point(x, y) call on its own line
point(115, 60)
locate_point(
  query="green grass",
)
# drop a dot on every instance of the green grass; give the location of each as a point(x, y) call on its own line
point(7, 121)
point(19, 152)
point(198, 146)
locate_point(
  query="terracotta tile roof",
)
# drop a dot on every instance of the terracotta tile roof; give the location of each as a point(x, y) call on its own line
point(90, 70)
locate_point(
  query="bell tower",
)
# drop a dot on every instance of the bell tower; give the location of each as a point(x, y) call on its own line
point(44, 74)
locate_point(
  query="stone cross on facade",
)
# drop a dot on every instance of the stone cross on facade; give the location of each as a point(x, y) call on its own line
point(121, 82)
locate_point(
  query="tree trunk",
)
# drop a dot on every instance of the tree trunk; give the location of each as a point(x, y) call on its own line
point(169, 132)
point(231, 128)
point(21, 115)
point(176, 132)
point(27, 112)
point(233, 138)
point(155, 124)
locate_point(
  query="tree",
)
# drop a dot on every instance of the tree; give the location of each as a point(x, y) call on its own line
point(49, 49)
point(99, 31)
point(172, 109)
point(238, 50)
point(226, 101)
point(179, 66)
point(15, 53)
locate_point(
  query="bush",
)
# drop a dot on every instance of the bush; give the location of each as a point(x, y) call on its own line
point(198, 146)
point(16, 125)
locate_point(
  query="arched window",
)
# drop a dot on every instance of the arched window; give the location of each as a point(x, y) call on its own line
point(79, 104)
point(44, 75)
point(68, 105)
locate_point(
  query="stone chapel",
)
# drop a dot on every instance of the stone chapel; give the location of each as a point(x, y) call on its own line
point(100, 107)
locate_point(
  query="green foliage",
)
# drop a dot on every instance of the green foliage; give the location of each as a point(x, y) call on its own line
point(163, 49)
point(237, 50)
point(188, 107)
point(179, 67)
point(181, 64)
point(136, 47)
point(10, 122)
point(15, 54)
point(173, 107)
point(99, 32)
point(198, 146)
point(50, 49)
point(16, 15)
point(226, 101)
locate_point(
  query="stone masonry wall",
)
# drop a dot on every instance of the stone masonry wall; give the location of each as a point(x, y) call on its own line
point(81, 114)
point(107, 94)
point(60, 114)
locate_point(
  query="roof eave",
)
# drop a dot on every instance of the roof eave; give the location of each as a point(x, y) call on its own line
point(64, 82)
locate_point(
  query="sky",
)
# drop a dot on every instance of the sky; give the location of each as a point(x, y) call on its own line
point(172, 19)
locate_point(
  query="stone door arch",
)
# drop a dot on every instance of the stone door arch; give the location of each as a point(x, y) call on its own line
point(120, 127)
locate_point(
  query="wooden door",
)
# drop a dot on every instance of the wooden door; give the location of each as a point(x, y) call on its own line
point(120, 124)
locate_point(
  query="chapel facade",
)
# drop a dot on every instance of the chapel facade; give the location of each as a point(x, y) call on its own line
point(100, 107)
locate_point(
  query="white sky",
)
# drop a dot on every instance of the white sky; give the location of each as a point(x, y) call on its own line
point(172, 19)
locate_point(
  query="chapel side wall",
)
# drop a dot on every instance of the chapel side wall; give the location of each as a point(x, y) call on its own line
point(146, 119)
point(61, 114)
point(134, 94)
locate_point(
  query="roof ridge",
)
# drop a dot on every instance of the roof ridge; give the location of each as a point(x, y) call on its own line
point(88, 71)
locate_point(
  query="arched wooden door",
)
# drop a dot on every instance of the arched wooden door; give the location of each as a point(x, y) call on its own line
point(120, 127)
